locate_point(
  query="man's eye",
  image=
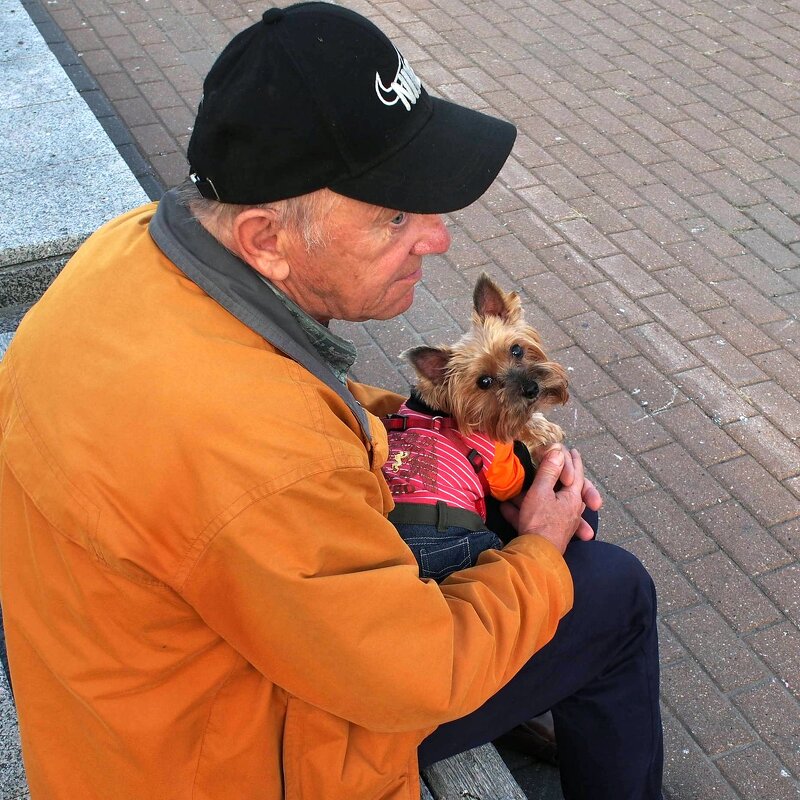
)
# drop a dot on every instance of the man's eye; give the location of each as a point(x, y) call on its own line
point(399, 218)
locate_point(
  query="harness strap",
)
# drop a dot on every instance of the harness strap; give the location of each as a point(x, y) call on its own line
point(441, 515)
point(445, 426)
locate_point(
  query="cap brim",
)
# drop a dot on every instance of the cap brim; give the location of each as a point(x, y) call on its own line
point(449, 164)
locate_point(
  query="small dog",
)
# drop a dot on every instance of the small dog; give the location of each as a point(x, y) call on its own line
point(452, 443)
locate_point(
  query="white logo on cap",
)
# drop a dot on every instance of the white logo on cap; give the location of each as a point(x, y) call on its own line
point(406, 86)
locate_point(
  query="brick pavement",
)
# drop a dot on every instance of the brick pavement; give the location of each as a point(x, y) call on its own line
point(649, 215)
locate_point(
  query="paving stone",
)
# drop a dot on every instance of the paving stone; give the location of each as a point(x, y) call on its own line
point(611, 188)
point(698, 432)
point(750, 301)
point(629, 276)
point(553, 294)
point(773, 449)
point(696, 294)
point(731, 593)
point(724, 213)
point(650, 387)
point(625, 418)
point(615, 469)
point(746, 541)
point(783, 586)
point(673, 589)
point(552, 334)
point(786, 334)
point(426, 315)
point(616, 307)
point(670, 649)
point(669, 202)
point(728, 660)
point(769, 249)
point(788, 534)
point(753, 486)
point(373, 366)
point(745, 336)
point(569, 187)
point(677, 471)
point(700, 260)
point(643, 250)
point(688, 772)
point(667, 353)
point(776, 222)
point(670, 526)
point(756, 773)
point(587, 380)
point(479, 222)
point(783, 196)
point(575, 418)
point(531, 230)
point(731, 365)
point(600, 214)
point(763, 278)
point(775, 715)
point(598, 338)
point(508, 252)
point(547, 203)
point(573, 268)
point(778, 405)
point(656, 225)
point(676, 175)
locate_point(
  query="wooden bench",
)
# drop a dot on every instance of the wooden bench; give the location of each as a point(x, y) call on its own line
point(478, 774)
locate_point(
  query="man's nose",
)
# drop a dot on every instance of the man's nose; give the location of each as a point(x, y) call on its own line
point(435, 237)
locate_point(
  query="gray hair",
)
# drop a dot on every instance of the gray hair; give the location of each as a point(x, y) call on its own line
point(305, 215)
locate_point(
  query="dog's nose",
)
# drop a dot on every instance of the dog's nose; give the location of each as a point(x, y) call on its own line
point(530, 390)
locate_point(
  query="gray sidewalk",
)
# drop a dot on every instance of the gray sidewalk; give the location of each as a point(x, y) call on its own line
point(649, 218)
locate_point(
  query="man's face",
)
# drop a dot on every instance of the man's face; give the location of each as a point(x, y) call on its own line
point(369, 265)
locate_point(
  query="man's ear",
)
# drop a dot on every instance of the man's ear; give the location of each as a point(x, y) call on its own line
point(256, 236)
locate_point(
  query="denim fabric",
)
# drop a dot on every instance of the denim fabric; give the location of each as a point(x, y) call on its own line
point(439, 553)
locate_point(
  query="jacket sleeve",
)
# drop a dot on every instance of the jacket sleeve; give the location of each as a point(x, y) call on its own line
point(506, 474)
point(315, 588)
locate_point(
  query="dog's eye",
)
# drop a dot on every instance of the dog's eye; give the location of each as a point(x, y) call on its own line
point(517, 351)
point(485, 381)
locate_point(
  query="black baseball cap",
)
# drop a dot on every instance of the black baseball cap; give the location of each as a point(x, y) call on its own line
point(315, 96)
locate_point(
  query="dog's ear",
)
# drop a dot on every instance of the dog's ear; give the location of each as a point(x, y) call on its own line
point(429, 362)
point(491, 301)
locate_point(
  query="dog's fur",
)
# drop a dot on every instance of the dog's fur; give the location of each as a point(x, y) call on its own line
point(497, 379)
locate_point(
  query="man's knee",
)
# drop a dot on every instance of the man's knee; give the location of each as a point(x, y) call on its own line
point(612, 577)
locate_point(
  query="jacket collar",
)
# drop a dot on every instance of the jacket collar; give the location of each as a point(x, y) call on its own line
point(240, 290)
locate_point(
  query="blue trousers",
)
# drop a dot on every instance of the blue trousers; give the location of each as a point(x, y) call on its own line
point(599, 675)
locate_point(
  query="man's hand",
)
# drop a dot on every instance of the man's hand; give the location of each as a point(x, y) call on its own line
point(554, 513)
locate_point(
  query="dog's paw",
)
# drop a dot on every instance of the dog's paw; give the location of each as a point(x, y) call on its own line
point(540, 434)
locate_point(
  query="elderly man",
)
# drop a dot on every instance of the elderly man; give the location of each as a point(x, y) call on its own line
point(202, 594)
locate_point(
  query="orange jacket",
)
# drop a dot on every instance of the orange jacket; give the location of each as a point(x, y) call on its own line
point(202, 596)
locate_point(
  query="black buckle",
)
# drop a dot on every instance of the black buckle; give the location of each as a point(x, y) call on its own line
point(476, 459)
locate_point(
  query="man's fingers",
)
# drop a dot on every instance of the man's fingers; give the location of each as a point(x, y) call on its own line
point(568, 473)
point(550, 469)
point(510, 513)
point(585, 532)
point(591, 496)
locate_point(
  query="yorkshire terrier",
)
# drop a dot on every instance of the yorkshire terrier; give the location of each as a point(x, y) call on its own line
point(468, 431)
